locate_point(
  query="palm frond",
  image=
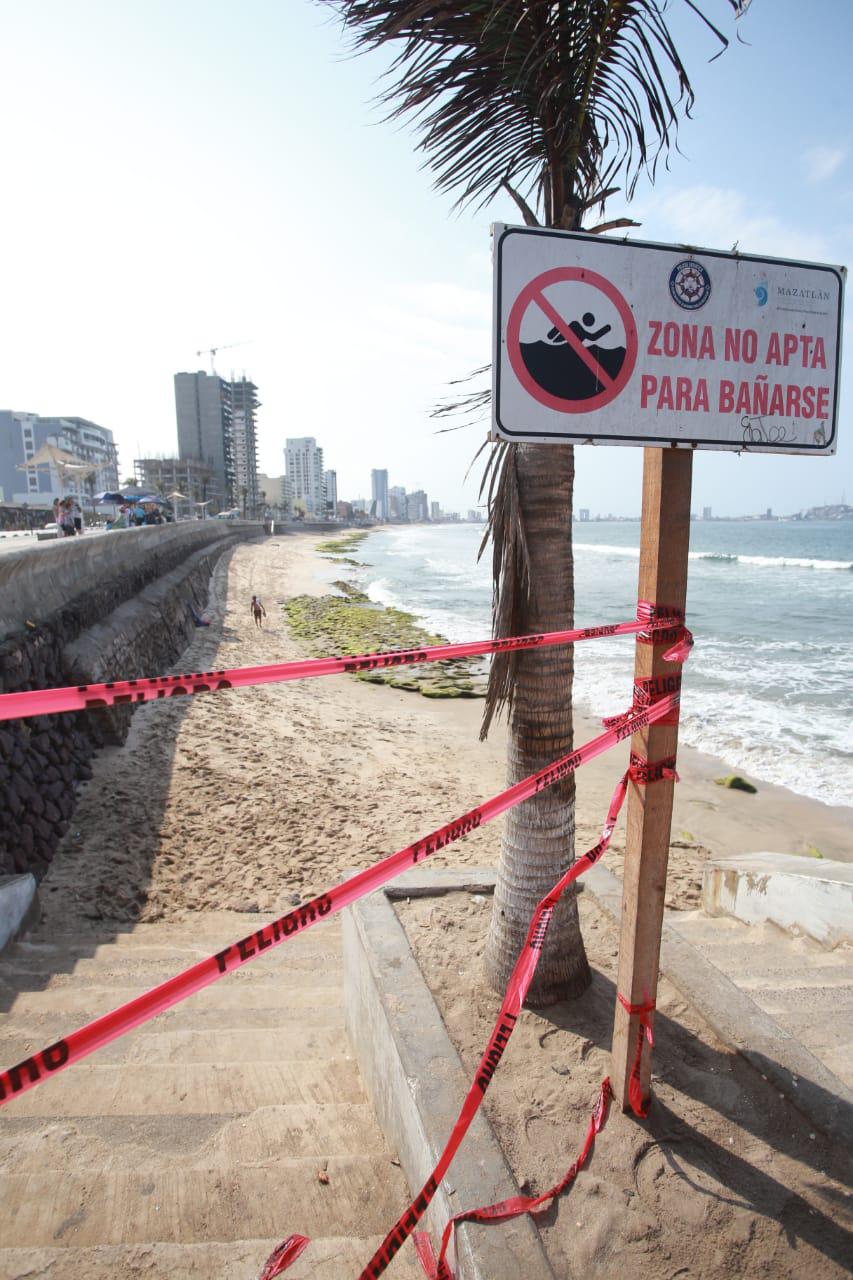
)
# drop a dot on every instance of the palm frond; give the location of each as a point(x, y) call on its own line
point(560, 96)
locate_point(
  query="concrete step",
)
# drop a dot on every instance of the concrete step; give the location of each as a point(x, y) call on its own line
point(329, 1258)
point(133, 1142)
point(363, 1196)
point(806, 989)
point(192, 1046)
point(181, 1089)
point(38, 1020)
point(233, 991)
point(759, 949)
point(140, 975)
point(160, 942)
point(207, 929)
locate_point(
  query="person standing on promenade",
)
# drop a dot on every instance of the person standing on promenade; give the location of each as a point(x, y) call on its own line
point(66, 519)
point(258, 612)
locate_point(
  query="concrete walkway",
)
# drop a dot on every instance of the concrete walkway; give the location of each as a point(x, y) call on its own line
point(194, 1145)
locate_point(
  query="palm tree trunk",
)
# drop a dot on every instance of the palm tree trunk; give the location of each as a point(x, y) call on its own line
point(538, 839)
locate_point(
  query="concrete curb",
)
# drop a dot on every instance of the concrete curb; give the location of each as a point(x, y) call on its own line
point(740, 1023)
point(416, 1081)
point(19, 907)
point(800, 895)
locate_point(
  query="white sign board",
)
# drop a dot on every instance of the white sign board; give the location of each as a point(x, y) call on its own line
point(624, 342)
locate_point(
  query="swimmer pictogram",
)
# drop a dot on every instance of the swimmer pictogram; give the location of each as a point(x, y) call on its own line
point(572, 340)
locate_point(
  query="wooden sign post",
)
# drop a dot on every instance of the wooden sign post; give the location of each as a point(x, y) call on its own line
point(606, 341)
point(664, 540)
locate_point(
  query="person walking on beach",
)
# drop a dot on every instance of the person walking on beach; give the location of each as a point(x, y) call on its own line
point(258, 612)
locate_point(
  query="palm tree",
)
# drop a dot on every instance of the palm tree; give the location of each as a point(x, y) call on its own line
point(552, 102)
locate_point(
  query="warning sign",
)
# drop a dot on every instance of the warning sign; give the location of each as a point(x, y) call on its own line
point(571, 340)
point(620, 342)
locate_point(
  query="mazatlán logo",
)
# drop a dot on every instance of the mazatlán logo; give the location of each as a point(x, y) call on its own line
point(761, 293)
point(690, 284)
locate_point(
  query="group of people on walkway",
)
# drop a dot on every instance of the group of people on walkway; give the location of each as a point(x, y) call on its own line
point(133, 515)
point(68, 517)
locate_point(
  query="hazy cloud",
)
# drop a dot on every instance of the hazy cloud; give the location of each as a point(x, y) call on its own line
point(719, 217)
point(823, 162)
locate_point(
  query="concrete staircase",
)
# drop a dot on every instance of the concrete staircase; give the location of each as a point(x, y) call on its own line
point(805, 988)
point(194, 1145)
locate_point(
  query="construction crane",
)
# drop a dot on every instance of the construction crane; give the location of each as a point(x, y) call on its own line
point(211, 351)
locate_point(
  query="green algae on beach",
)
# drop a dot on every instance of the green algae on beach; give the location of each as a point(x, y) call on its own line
point(338, 547)
point(736, 783)
point(352, 624)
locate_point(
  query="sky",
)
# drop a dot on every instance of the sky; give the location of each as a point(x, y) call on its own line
point(181, 176)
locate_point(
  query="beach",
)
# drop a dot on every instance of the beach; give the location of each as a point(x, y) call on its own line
point(255, 799)
point(261, 796)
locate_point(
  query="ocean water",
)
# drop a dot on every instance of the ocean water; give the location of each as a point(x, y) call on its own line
point(769, 685)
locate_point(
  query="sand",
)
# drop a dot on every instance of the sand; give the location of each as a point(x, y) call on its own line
point(258, 798)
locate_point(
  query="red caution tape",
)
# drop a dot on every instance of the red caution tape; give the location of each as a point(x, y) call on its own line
point(439, 1269)
point(79, 1044)
point(281, 1257)
point(39, 702)
point(645, 772)
point(644, 1028)
point(517, 988)
point(666, 626)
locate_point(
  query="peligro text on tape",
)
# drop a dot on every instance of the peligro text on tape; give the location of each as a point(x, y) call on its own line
point(78, 1044)
point(36, 702)
point(513, 999)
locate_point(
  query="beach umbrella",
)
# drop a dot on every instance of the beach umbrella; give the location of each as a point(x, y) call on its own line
point(108, 497)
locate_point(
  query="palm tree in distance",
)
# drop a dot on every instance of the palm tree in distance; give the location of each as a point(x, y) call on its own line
point(552, 102)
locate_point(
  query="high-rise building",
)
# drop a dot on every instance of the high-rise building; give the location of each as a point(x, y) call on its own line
point(330, 488)
point(379, 493)
point(22, 435)
point(435, 511)
point(304, 470)
point(216, 425)
point(244, 402)
point(269, 493)
point(707, 513)
point(417, 504)
point(397, 509)
point(203, 405)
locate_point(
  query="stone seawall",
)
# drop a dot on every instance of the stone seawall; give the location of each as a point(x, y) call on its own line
point(80, 612)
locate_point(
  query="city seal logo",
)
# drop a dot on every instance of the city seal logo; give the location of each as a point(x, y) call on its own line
point(689, 285)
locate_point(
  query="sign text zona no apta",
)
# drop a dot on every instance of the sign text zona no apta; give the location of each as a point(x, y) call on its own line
point(607, 341)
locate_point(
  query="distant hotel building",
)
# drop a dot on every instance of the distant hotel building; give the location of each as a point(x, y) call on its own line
point(216, 425)
point(330, 489)
point(417, 505)
point(379, 494)
point(397, 509)
point(304, 471)
point(435, 511)
point(21, 437)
